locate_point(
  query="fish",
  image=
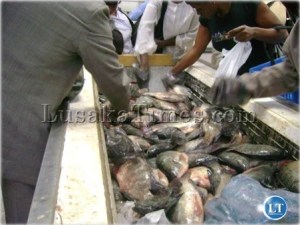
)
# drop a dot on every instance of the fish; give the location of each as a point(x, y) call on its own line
point(119, 146)
point(152, 162)
point(172, 164)
point(175, 135)
point(238, 161)
point(200, 176)
point(156, 113)
point(141, 142)
point(189, 208)
point(212, 131)
point(160, 115)
point(142, 102)
point(116, 190)
point(182, 90)
point(142, 121)
point(130, 130)
point(288, 176)
point(126, 117)
point(197, 158)
point(166, 199)
point(166, 96)
point(159, 179)
point(167, 106)
point(197, 132)
point(260, 151)
point(184, 126)
point(156, 149)
point(263, 173)
point(190, 146)
point(239, 138)
point(218, 179)
point(184, 110)
point(201, 112)
point(136, 178)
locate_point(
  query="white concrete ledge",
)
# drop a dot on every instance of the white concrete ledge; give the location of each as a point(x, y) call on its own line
point(81, 194)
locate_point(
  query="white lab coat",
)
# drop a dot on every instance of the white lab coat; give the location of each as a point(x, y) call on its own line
point(180, 20)
point(122, 23)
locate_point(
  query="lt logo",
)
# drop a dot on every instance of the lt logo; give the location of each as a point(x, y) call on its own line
point(275, 207)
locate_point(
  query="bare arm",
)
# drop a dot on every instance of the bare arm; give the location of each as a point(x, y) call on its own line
point(202, 39)
point(165, 43)
point(266, 19)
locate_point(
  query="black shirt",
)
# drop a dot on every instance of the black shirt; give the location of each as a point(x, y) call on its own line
point(240, 13)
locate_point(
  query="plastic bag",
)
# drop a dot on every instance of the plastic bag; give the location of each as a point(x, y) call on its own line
point(234, 59)
point(242, 202)
point(156, 217)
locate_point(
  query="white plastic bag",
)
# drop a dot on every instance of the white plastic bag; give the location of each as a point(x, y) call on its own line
point(233, 59)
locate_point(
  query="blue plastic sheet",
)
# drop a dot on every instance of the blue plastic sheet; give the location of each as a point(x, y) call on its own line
point(242, 201)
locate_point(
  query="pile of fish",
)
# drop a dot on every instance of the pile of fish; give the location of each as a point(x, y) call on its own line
point(170, 153)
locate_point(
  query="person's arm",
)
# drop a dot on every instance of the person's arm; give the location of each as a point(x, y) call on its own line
point(202, 39)
point(145, 42)
point(280, 78)
point(266, 20)
point(165, 43)
point(95, 47)
point(271, 81)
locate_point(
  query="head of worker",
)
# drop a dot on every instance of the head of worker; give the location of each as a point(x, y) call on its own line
point(113, 6)
point(206, 9)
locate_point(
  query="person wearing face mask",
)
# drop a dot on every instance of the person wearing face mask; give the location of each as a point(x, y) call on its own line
point(222, 23)
point(168, 27)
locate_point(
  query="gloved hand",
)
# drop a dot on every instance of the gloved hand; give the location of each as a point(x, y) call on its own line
point(170, 79)
point(229, 92)
point(142, 76)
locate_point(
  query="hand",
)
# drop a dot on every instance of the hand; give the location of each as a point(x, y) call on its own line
point(229, 92)
point(170, 79)
point(142, 76)
point(242, 33)
point(159, 43)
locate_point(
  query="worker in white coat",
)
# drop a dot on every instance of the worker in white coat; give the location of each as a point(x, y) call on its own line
point(168, 27)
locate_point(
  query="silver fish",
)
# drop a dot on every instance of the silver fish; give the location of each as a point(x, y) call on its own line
point(182, 90)
point(212, 131)
point(168, 106)
point(288, 176)
point(143, 143)
point(186, 127)
point(136, 178)
point(173, 164)
point(189, 209)
point(190, 146)
point(142, 121)
point(200, 176)
point(238, 161)
point(166, 96)
point(259, 151)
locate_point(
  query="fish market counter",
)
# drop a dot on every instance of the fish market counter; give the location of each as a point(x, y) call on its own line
point(85, 191)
